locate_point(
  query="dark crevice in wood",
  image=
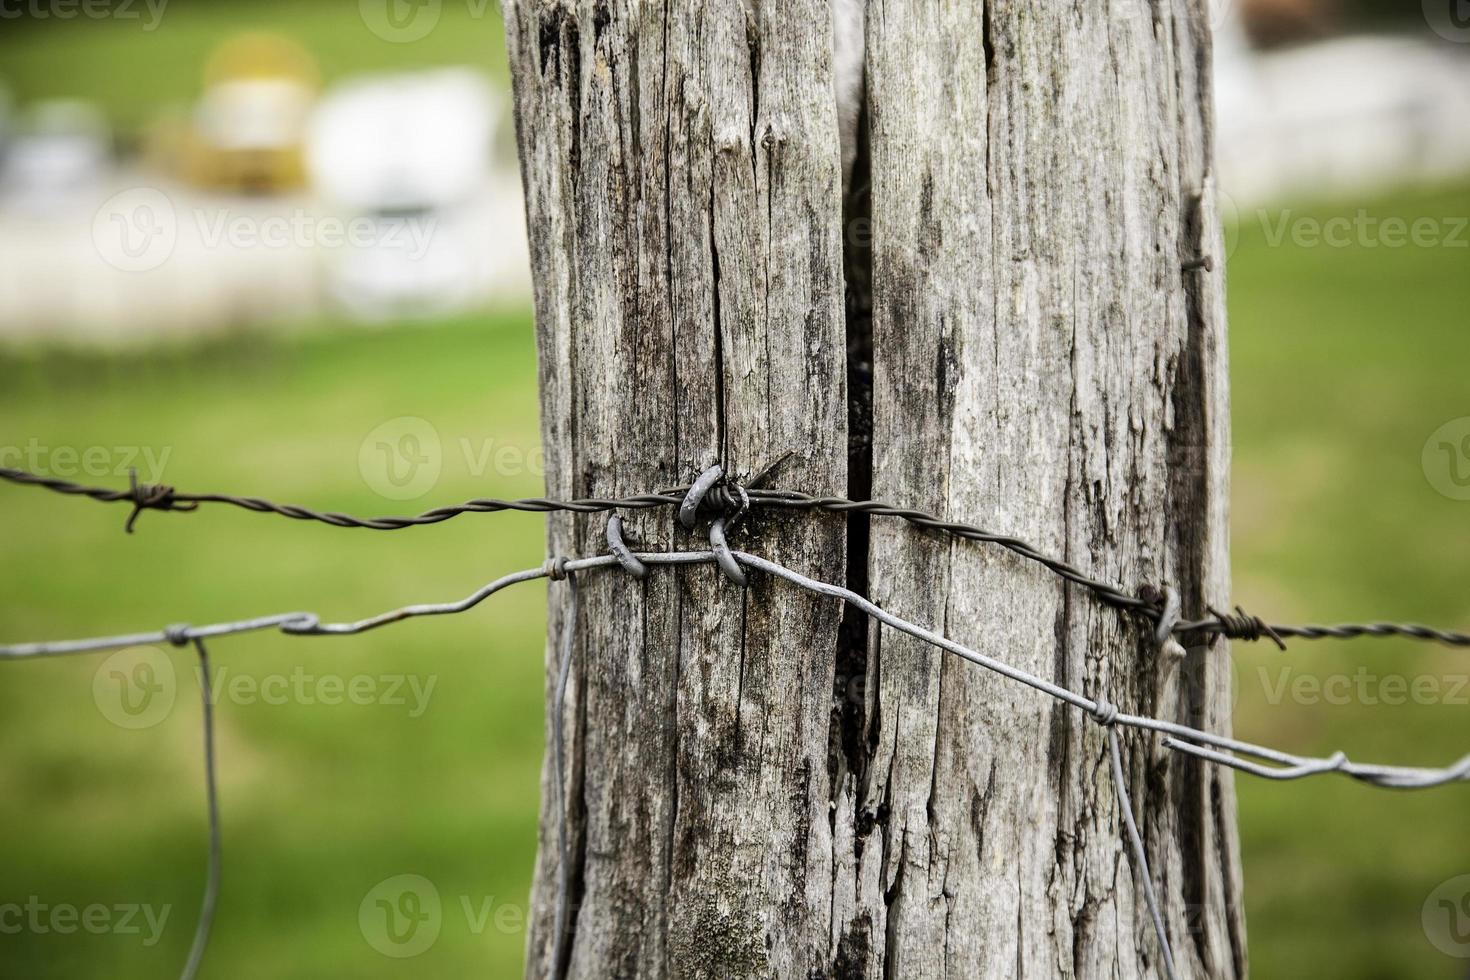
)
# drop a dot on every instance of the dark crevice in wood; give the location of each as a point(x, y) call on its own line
point(987, 40)
point(891, 899)
point(601, 18)
point(1224, 818)
point(1188, 487)
point(738, 749)
point(668, 242)
point(854, 950)
point(577, 820)
point(852, 736)
point(719, 339)
point(753, 48)
point(561, 52)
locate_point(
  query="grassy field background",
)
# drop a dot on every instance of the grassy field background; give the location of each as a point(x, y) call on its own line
point(1344, 361)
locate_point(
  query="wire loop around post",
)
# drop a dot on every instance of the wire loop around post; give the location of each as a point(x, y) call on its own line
point(689, 507)
point(620, 551)
point(1169, 619)
point(723, 557)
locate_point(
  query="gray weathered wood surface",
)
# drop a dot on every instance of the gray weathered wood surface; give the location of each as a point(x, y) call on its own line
point(1042, 365)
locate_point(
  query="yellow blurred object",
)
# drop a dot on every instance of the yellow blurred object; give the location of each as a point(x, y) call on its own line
point(256, 54)
point(249, 127)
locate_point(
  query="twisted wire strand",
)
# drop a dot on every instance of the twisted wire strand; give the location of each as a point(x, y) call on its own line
point(731, 498)
point(560, 924)
point(1185, 739)
point(1140, 853)
point(1198, 743)
point(211, 790)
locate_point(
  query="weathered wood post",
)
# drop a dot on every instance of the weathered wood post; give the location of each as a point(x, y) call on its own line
point(758, 784)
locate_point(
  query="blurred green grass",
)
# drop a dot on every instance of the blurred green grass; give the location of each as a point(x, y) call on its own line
point(320, 801)
point(1344, 361)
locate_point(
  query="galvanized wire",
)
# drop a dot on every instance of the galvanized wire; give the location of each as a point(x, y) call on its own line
point(211, 790)
point(732, 498)
point(560, 925)
point(1185, 739)
point(1140, 853)
point(1221, 750)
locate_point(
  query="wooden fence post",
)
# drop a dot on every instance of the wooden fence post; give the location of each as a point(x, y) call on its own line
point(758, 784)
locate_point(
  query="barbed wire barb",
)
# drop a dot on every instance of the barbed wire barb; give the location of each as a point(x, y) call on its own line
point(733, 499)
point(1200, 744)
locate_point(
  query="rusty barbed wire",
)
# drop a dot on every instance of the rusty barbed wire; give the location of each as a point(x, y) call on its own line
point(1198, 743)
point(733, 499)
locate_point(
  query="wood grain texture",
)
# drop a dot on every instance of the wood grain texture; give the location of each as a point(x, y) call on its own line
point(682, 183)
point(1042, 365)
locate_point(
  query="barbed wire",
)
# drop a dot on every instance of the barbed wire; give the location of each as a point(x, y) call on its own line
point(1201, 744)
point(732, 498)
point(733, 501)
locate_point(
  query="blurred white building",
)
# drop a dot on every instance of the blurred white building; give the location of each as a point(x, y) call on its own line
point(405, 215)
point(412, 154)
point(1338, 117)
point(56, 151)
